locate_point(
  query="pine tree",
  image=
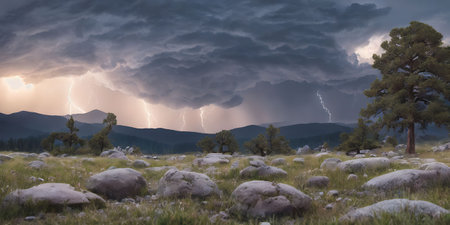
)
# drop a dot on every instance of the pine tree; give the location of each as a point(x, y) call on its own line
point(414, 88)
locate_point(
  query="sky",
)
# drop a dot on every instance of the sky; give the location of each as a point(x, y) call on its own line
point(199, 65)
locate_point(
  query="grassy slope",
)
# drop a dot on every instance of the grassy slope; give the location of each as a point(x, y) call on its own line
point(15, 174)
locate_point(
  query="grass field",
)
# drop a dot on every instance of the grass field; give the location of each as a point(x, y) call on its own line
point(14, 174)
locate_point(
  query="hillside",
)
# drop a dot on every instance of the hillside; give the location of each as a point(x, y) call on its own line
point(29, 124)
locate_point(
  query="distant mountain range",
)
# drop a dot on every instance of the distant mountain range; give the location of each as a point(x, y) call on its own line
point(29, 124)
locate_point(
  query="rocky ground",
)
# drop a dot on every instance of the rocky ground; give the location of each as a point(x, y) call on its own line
point(378, 187)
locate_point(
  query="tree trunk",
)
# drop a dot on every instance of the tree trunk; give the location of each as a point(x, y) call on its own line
point(221, 149)
point(411, 142)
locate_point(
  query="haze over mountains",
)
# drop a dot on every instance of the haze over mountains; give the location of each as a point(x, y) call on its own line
point(28, 124)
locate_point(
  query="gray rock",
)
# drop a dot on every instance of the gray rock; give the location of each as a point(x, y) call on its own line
point(54, 194)
point(279, 161)
point(140, 163)
point(408, 178)
point(357, 165)
point(352, 177)
point(263, 172)
point(329, 206)
point(304, 150)
point(255, 157)
point(182, 184)
point(333, 193)
point(44, 155)
point(223, 216)
point(400, 147)
point(265, 199)
point(257, 163)
point(209, 161)
point(318, 155)
point(359, 156)
point(299, 160)
point(391, 154)
point(393, 206)
point(234, 165)
point(114, 154)
point(211, 170)
point(218, 155)
point(117, 183)
point(37, 165)
point(441, 148)
point(30, 218)
point(177, 158)
point(5, 157)
point(330, 163)
point(318, 181)
point(160, 168)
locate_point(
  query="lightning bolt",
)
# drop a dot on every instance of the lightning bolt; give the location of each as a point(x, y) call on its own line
point(147, 113)
point(324, 107)
point(202, 112)
point(69, 99)
point(183, 117)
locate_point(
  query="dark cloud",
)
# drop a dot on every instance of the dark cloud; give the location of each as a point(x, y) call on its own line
point(186, 53)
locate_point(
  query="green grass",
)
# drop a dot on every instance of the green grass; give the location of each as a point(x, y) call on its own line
point(14, 174)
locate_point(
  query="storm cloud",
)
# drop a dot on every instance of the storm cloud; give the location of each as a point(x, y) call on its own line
point(186, 53)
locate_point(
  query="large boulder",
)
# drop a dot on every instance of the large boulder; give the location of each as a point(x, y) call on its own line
point(443, 170)
point(5, 157)
point(114, 154)
point(441, 148)
point(140, 163)
point(37, 165)
point(408, 178)
point(279, 161)
point(218, 155)
point(211, 159)
point(393, 206)
point(51, 195)
point(304, 150)
point(318, 181)
point(265, 199)
point(262, 172)
point(330, 164)
point(160, 168)
point(117, 183)
point(182, 184)
point(357, 165)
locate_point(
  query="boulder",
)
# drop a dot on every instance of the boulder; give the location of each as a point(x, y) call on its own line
point(352, 177)
point(318, 181)
point(160, 168)
point(393, 206)
point(358, 165)
point(44, 155)
point(318, 155)
point(234, 165)
point(279, 161)
point(117, 183)
point(441, 148)
point(5, 157)
point(37, 165)
point(182, 184)
point(408, 178)
point(299, 160)
point(218, 155)
point(53, 195)
point(330, 163)
point(265, 199)
point(257, 163)
point(177, 158)
point(262, 172)
point(140, 163)
point(114, 154)
point(400, 147)
point(209, 161)
point(304, 150)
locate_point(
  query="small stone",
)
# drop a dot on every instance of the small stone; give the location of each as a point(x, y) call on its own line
point(339, 199)
point(329, 206)
point(30, 218)
point(352, 177)
point(128, 200)
point(318, 181)
point(264, 223)
point(299, 160)
point(81, 214)
point(333, 193)
point(365, 175)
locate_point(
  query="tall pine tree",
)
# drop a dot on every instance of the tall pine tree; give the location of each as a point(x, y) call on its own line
point(414, 88)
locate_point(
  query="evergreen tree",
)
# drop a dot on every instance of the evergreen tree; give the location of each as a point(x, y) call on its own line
point(226, 138)
point(362, 137)
point(100, 140)
point(257, 145)
point(206, 144)
point(415, 85)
